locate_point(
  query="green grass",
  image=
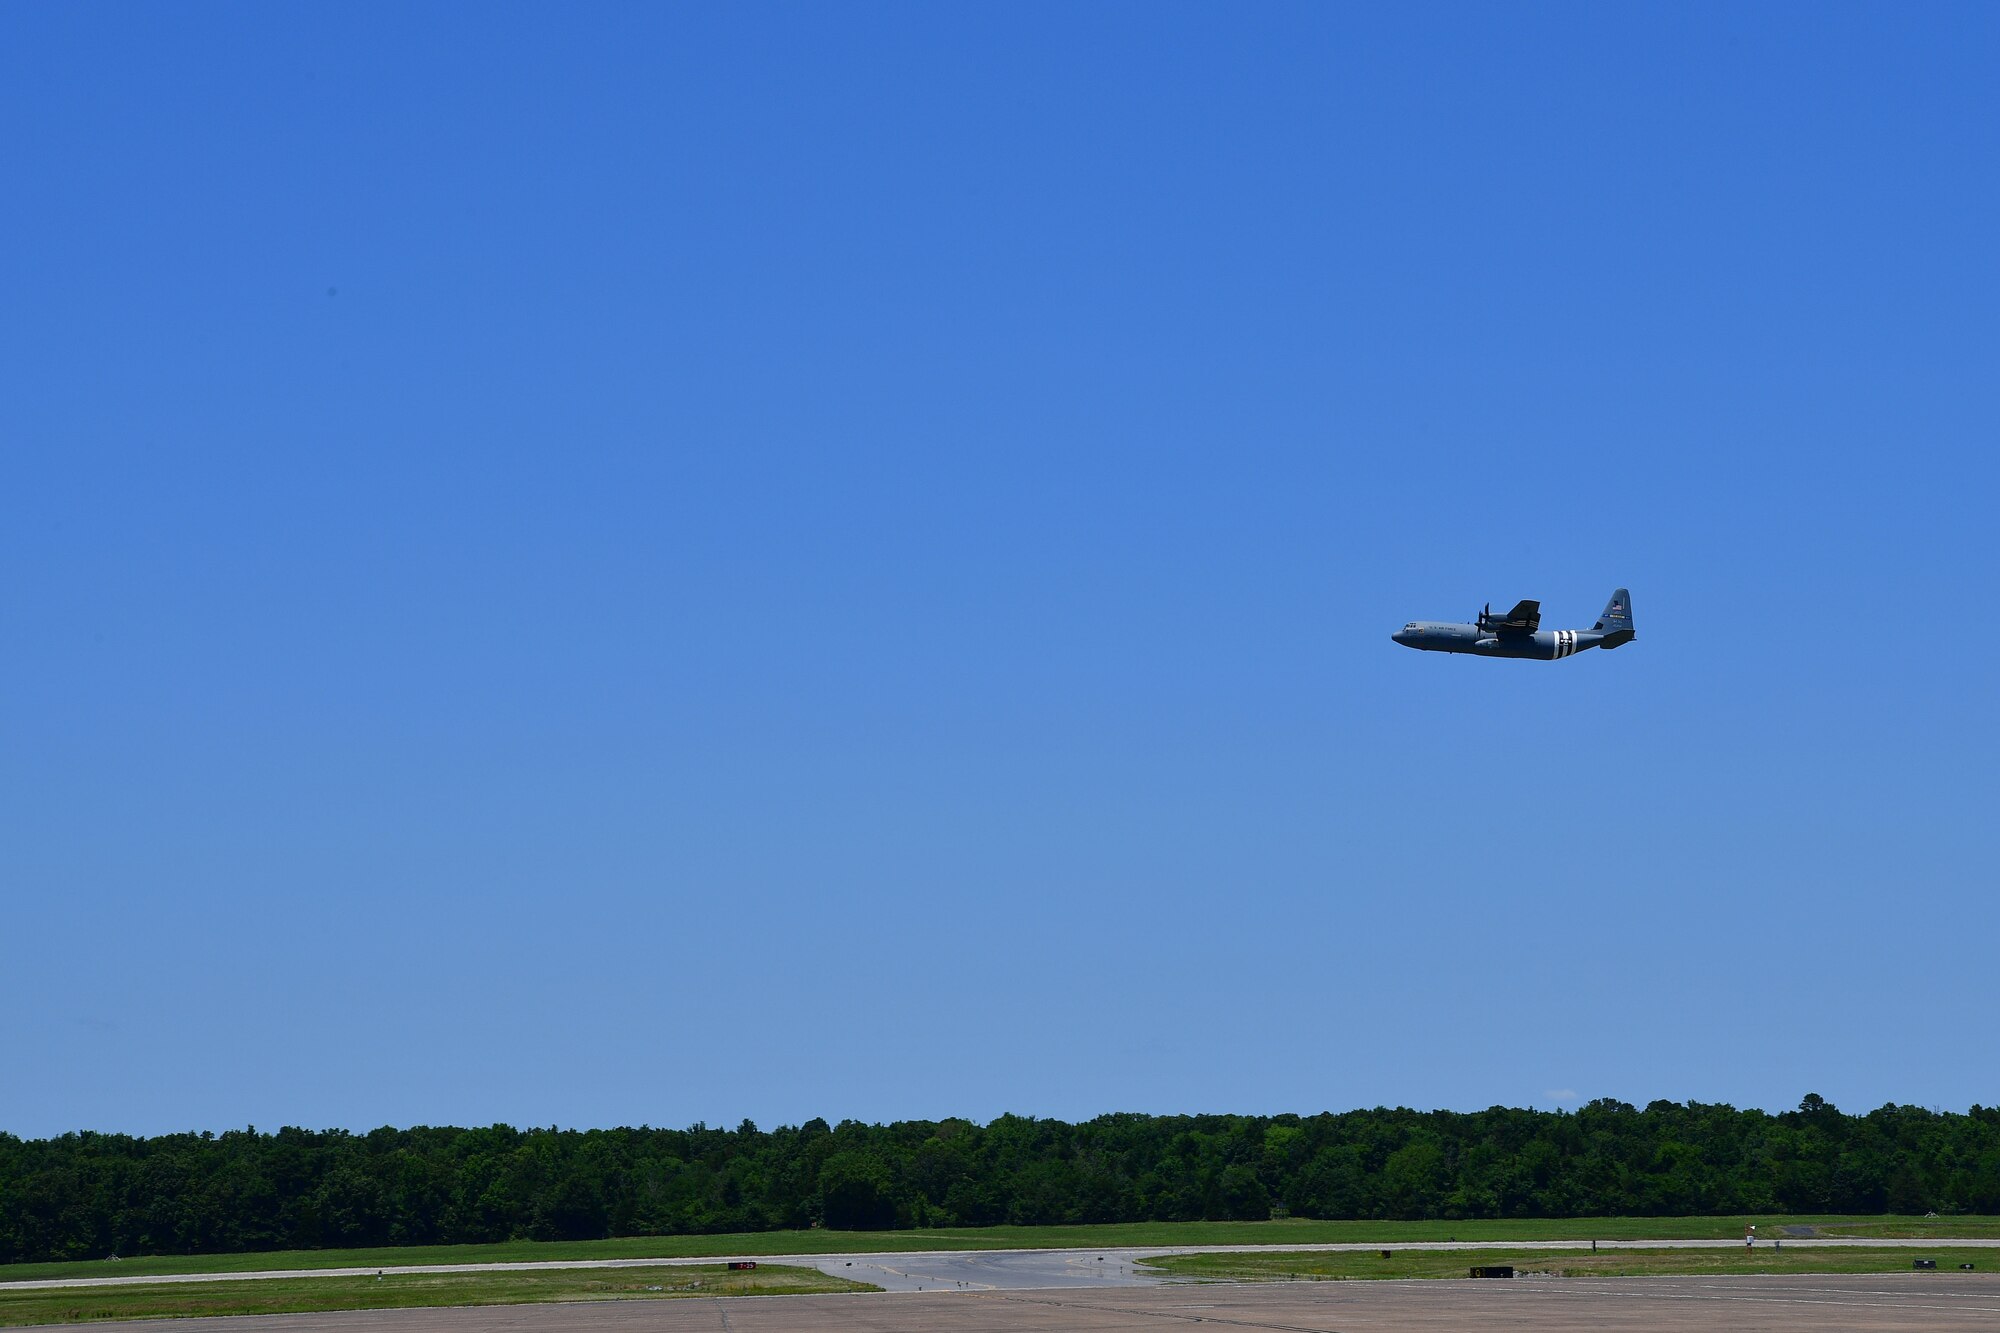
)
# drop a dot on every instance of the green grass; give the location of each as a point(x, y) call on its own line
point(1296, 1231)
point(1920, 1228)
point(290, 1295)
point(1346, 1265)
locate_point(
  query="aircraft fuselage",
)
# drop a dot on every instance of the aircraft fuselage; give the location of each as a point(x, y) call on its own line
point(1543, 645)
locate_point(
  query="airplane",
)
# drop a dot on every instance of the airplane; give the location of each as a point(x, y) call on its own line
point(1519, 633)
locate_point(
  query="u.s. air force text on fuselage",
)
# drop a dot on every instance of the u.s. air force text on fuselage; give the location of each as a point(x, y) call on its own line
point(1519, 633)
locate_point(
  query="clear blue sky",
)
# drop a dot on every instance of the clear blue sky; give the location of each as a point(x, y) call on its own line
point(614, 564)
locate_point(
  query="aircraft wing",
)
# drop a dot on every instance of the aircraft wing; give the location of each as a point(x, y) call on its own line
point(1525, 618)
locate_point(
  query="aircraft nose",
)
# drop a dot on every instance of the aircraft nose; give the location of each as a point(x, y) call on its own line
point(1400, 636)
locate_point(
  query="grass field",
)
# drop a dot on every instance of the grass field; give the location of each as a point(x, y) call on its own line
point(1922, 1228)
point(763, 1244)
point(1349, 1265)
point(287, 1295)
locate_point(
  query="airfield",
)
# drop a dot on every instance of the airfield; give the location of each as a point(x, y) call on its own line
point(1028, 1269)
point(1108, 1290)
point(1873, 1303)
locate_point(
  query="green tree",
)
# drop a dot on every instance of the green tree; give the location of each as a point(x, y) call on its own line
point(856, 1193)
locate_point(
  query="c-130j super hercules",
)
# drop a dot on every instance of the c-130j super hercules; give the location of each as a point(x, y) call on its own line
point(1519, 633)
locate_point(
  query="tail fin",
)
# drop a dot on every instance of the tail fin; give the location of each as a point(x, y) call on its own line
point(1616, 622)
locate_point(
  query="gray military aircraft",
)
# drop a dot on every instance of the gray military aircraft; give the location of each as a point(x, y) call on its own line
point(1519, 633)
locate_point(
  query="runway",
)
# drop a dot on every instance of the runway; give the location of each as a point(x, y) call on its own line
point(1894, 1303)
point(1003, 1270)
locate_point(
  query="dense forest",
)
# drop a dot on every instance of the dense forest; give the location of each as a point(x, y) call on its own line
point(92, 1195)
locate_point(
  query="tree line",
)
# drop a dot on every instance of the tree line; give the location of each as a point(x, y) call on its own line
point(89, 1195)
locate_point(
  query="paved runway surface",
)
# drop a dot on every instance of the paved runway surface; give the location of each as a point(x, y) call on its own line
point(1001, 1270)
point(1894, 1303)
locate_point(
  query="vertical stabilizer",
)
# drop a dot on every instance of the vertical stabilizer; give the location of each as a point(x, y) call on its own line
point(1616, 622)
